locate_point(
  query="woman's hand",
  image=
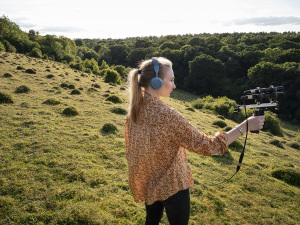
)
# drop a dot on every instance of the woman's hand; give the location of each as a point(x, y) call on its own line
point(255, 122)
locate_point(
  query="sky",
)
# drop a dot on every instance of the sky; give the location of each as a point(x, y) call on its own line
point(137, 18)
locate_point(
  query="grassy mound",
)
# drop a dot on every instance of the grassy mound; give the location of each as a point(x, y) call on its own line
point(119, 110)
point(22, 89)
point(5, 98)
point(289, 176)
point(7, 75)
point(277, 143)
point(220, 123)
point(114, 99)
point(109, 128)
point(272, 124)
point(70, 111)
point(51, 101)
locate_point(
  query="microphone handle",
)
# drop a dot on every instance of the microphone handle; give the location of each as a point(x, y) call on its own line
point(257, 113)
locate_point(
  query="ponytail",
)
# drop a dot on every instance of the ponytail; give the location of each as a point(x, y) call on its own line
point(136, 96)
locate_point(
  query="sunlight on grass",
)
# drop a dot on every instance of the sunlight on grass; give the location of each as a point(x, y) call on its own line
point(57, 169)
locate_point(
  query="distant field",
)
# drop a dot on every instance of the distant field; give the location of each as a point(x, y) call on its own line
point(56, 168)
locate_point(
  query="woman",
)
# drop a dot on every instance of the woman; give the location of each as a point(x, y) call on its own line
point(157, 137)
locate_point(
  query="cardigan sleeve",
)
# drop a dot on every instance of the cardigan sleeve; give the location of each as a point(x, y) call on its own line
point(189, 137)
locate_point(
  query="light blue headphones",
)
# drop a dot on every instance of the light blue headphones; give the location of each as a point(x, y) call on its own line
point(156, 82)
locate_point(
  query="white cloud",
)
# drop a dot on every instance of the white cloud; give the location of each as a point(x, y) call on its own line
point(268, 21)
point(119, 19)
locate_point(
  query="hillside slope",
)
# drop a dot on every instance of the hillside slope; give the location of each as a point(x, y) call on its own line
point(58, 169)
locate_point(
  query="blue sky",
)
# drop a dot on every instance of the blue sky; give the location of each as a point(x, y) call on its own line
point(132, 18)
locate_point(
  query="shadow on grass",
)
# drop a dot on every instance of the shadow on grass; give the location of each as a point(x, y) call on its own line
point(225, 159)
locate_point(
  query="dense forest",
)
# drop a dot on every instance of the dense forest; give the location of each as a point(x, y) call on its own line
point(222, 64)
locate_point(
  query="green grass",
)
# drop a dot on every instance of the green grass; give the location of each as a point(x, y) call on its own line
point(56, 169)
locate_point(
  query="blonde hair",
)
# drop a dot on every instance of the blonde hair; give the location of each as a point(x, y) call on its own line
point(139, 79)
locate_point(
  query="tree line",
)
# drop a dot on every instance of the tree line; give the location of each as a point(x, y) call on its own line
point(224, 64)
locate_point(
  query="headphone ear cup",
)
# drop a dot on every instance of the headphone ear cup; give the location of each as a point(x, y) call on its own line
point(156, 83)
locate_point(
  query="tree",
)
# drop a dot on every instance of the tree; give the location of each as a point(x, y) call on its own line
point(90, 54)
point(205, 75)
point(170, 45)
point(104, 54)
point(291, 55)
point(272, 54)
point(118, 54)
point(142, 43)
point(79, 42)
point(16, 39)
point(264, 74)
point(197, 41)
point(137, 55)
point(57, 50)
point(233, 68)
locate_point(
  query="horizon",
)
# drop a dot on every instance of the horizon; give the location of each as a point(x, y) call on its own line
point(119, 20)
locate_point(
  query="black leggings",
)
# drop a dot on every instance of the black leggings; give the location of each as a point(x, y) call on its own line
point(177, 209)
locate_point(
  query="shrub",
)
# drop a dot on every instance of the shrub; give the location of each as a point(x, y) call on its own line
point(5, 98)
point(9, 47)
point(70, 111)
point(289, 176)
point(75, 92)
point(199, 103)
point(272, 124)
point(88, 70)
point(51, 101)
point(114, 99)
point(36, 52)
point(119, 110)
point(22, 89)
point(121, 70)
point(220, 105)
point(7, 75)
point(220, 123)
point(277, 143)
point(31, 71)
point(223, 104)
point(2, 47)
point(109, 128)
point(112, 76)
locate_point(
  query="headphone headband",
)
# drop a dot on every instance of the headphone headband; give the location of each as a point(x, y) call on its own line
point(155, 66)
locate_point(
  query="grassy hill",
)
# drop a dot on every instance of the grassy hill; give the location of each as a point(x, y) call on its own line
point(61, 169)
